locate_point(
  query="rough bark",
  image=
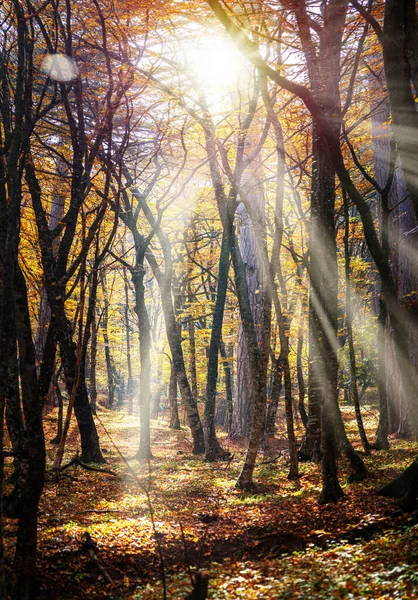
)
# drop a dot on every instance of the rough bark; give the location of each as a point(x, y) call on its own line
point(382, 441)
point(399, 241)
point(14, 417)
point(400, 61)
point(24, 565)
point(257, 364)
point(245, 390)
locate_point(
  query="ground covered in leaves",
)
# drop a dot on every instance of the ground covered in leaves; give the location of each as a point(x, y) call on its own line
point(178, 514)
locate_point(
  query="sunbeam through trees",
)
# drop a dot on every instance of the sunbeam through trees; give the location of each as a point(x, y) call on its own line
point(208, 299)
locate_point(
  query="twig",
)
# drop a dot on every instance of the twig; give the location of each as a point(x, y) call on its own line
point(272, 460)
point(94, 510)
point(89, 546)
point(230, 459)
point(77, 461)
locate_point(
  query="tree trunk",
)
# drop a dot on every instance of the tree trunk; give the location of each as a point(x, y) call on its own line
point(144, 450)
point(245, 390)
point(104, 323)
point(129, 389)
point(93, 361)
point(14, 417)
point(228, 386)
point(57, 212)
point(257, 363)
point(400, 56)
point(301, 379)
point(404, 487)
point(331, 489)
point(174, 341)
point(90, 448)
point(173, 335)
point(24, 565)
point(213, 448)
point(172, 400)
point(57, 390)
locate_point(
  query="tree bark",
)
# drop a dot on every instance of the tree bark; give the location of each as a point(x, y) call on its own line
point(258, 361)
point(213, 448)
point(245, 390)
point(93, 364)
point(129, 389)
point(404, 487)
point(144, 450)
point(400, 62)
point(24, 565)
point(228, 385)
point(172, 400)
point(301, 379)
point(104, 325)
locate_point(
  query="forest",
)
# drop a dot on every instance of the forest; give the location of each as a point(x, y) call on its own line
point(208, 299)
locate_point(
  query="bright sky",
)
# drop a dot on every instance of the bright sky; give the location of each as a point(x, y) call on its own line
point(214, 61)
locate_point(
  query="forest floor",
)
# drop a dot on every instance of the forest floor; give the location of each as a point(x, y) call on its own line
point(276, 542)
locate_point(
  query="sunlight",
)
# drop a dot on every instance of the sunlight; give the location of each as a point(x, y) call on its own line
point(59, 67)
point(214, 61)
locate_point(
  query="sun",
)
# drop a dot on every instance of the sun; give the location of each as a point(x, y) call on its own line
point(214, 61)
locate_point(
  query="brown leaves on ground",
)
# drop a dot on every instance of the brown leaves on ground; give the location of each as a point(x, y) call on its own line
point(277, 542)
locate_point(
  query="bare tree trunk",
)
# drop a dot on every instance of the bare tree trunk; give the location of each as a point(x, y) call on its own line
point(400, 55)
point(144, 450)
point(104, 325)
point(382, 441)
point(213, 448)
point(56, 214)
point(228, 385)
point(192, 362)
point(24, 565)
point(258, 361)
point(245, 391)
point(172, 400)
point(57, 390)
point(400, 241)
point(93, 361)
point(301, 379)
point(129, 389)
